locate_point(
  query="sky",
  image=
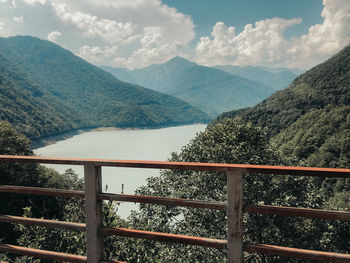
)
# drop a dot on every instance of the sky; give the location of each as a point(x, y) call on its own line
point(137, 33)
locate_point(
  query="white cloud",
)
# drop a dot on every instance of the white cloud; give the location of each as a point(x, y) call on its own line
point(53, 36)
point(99, 55)
point(137, 32)
point(253, 45)
point(92, 26)
point(32, 2)
point(18, 19)
point(265, 44)
point(323, 39)
point(140, 32)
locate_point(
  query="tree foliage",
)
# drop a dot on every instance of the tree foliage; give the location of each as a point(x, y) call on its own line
point(231, 141)
point(21, 174)
point(310, 120)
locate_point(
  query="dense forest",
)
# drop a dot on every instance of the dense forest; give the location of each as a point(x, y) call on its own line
point(45, 89)
point(306, 124)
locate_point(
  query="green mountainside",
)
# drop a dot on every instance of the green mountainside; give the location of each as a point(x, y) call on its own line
point(220, 90)
point(278, 78)
point(62, 91)
point(210, 89)
point(162, 77)
point(31, 109)
point(310, 118)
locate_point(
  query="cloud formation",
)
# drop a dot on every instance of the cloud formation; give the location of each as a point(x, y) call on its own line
point(53, 36)
point(265, 44)
point(117, 33)
point(138, 33)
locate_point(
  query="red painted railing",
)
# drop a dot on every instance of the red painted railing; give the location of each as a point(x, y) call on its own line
point(95, 230)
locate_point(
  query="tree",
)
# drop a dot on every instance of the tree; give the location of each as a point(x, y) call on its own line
point(231, 141)
point(63, 209)
point(13, 143)
point(22, 174)
point(68, 241)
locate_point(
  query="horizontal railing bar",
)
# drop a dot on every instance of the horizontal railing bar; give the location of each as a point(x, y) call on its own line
point(297, 253)
point(41, 191)
point(189, 240)
point(298, 212)
point(208, 242)
point(115, 197)
point(164, 201)
point(45, 254)
point(264, 169)
point(39, 253)
point(42, 222)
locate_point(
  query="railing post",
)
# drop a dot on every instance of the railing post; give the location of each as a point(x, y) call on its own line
point(93, 208)
point(234, 216)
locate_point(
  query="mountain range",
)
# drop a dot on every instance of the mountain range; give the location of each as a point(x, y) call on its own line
point(213, 90)
point(45, 89)
point(277, 78)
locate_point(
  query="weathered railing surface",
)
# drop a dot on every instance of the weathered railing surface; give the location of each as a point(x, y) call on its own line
point(234, 206)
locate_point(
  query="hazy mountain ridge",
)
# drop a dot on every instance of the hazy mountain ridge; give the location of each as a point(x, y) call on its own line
point(120, 73)
point(213, 90)
point(277, 78)
point(161, 77)
point(310, 118)
point(218, 89)
point(84, 95)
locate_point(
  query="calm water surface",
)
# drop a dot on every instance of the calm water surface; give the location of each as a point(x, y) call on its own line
point(152, 144)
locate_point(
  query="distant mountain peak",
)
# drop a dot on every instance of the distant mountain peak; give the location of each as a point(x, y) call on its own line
point(180, 61)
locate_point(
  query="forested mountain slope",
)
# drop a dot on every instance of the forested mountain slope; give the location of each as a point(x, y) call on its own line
point(220, 90)
point(78, 93)
point(162, 77)
point(311, 117)
point(212, 90)
point(31, 109)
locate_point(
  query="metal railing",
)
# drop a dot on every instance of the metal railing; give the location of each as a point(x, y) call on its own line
point(95, 231)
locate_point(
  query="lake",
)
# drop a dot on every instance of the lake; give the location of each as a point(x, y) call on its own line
point(123, 144)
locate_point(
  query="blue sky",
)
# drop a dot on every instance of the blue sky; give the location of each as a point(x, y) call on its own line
point(138, 33)
point(238, 13)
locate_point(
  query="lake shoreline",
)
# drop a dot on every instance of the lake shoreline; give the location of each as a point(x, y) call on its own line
point(122, 144)
point(61, 136)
